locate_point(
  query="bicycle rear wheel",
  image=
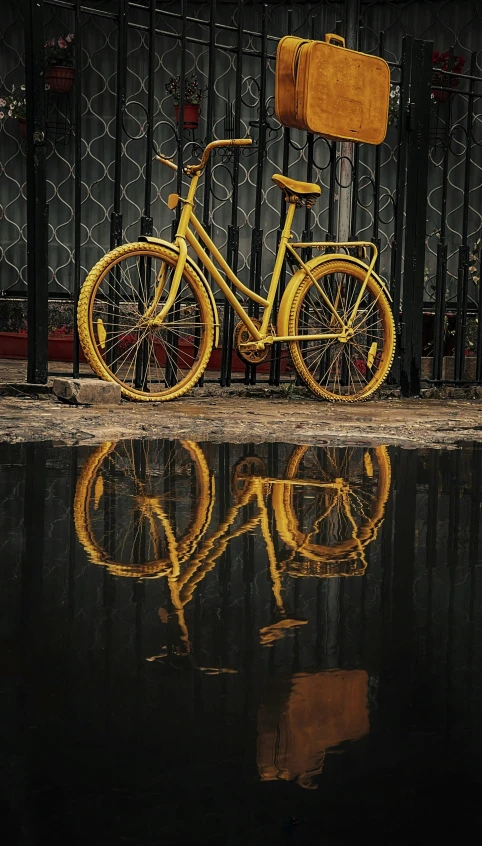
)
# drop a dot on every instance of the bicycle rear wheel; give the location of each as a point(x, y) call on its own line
point(332, 369)
point(150, 363)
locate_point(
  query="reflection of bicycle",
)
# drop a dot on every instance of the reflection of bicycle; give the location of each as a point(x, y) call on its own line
point(145, 510)
point(332, 509)
point(147, 480)
point(148, 319)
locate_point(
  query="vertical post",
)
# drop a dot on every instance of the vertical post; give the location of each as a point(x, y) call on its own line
point(257, 232)
point(233, 228)
point(182, 100)
point(307, 235)
point(116, 216)
point(77, 180)
point(210, 114)
point(275, 363)
point(397, 247)
point(37, 212)
point(146, 219)
point(417, 176)
point(463, 273)
point(347, 148)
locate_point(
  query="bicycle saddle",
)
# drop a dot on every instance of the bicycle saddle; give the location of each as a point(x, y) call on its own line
point(301, 193)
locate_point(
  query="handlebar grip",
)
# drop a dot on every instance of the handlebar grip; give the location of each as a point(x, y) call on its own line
point(166, 162)
point(243, 142)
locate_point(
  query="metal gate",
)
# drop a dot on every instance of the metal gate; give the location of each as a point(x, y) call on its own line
point(86, 166)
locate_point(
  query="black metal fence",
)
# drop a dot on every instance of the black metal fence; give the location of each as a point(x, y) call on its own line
point(86, 166)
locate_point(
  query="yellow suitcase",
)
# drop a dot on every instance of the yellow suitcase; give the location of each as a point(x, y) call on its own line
point(323, 87)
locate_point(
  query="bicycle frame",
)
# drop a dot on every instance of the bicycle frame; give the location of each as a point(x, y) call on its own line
point(261, 335)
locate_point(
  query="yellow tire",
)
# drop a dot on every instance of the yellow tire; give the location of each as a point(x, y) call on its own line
point(149, 363)
point(335, 370)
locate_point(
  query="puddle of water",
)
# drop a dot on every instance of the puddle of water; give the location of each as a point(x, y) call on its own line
point(228, 644)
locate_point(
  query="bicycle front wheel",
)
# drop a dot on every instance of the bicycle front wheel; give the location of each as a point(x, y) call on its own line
point(149, 362)
point(336, 370)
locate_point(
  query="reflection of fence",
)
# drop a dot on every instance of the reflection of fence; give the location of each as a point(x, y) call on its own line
point(418, 601)
point(102, 188)
point(400, 645)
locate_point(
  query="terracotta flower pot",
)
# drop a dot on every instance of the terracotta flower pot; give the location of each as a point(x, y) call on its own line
point(15, 345)
point(59, 77)
point(191, 115)
point(22, 127)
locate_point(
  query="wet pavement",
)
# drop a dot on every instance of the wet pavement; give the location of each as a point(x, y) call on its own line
point(259, 415)
point(240, 644)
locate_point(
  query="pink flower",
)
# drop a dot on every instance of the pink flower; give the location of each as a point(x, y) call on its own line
point(3, 102)
point(62, 43)
point(70, 37)
point(2, 115)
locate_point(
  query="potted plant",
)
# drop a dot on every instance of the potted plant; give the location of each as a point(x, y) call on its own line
point(193, 95)
point(445, 62)
point(59, 61)
point(15, 106)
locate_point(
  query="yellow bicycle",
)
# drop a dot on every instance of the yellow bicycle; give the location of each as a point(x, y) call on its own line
point(148, 319)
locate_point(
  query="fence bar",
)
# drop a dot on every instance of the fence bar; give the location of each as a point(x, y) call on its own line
point(257, 232)
point(376, 182)
point(275, 362)
point(210, 114)
point(463, 275)
point(478, 365)
point(146, 220)
point(417, 177)
point(233, 228)
point(439, 319)
point(307, 252)
point(461, 318)
point(116, 215)
point(209, 135)
point(37, 211)
point(77, 179)
point(397, 248)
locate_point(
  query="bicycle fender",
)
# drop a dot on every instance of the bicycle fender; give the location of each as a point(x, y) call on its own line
point(152, 240)
point(295, 281)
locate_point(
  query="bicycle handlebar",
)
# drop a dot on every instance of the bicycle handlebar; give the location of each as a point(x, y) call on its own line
point(191, 170)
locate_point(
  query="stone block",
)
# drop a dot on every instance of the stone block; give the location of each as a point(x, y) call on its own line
point(87, 391)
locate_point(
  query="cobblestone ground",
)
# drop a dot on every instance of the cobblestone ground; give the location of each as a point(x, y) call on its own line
point(237, 414)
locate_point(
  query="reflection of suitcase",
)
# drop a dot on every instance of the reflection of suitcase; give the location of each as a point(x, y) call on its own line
point(302, 717)
point(322, 87)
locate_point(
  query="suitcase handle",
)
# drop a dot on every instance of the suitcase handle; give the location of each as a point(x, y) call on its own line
point(337, 40)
